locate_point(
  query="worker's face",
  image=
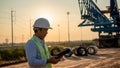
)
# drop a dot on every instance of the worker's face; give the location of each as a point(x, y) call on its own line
point(42, 33)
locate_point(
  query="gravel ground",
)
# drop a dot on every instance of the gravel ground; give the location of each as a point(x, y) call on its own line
point(105, 58)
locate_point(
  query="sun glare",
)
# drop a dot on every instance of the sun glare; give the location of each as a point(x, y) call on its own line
point(47, 17)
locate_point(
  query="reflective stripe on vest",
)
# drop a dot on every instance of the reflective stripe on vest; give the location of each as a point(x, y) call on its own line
point(44, 53)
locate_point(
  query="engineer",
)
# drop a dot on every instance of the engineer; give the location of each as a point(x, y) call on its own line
point(37, 53)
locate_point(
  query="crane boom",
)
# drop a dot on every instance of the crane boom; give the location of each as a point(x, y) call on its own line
point(93, 16)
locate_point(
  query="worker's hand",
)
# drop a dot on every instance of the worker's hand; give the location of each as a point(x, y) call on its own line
point(53, 60)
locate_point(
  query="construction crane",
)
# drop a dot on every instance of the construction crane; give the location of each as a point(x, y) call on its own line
point(108, 28)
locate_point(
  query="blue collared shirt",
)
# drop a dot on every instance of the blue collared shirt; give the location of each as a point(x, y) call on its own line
point(33, 54)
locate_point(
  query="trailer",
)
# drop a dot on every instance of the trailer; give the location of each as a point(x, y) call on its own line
point(108, 28)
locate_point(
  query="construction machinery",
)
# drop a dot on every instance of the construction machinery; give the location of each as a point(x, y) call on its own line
point(108, 28)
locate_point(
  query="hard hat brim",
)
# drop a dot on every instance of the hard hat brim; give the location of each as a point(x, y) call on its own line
point(50, 28)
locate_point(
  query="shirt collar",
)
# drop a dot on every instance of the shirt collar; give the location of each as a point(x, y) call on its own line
point(41, 41)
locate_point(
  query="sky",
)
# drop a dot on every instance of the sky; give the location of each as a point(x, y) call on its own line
point(27, 11)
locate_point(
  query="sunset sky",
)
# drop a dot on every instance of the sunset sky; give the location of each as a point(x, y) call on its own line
point(54, 10)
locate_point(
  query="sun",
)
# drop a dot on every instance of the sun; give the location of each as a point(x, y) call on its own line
point(47, 16)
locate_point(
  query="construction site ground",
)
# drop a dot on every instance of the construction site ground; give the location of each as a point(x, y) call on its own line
point(105, 58)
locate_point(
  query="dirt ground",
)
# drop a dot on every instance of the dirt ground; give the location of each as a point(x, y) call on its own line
point(105, 58)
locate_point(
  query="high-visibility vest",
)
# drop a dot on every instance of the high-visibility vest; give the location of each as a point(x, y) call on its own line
point(44, 53)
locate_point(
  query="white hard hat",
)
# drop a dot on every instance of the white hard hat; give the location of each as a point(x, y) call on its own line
point(42, 23)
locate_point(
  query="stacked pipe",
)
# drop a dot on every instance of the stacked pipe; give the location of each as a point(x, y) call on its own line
point(79, 51)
